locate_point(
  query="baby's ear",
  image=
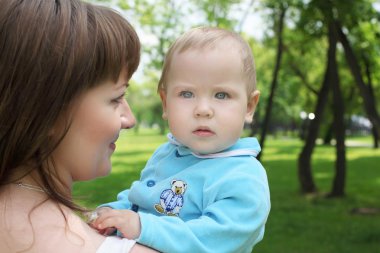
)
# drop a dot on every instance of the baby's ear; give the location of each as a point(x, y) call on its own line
point(163, 101)
point(253, 100)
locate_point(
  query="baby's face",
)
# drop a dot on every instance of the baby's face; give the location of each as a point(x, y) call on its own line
point(206, 101)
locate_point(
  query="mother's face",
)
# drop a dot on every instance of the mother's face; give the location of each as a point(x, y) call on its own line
point(98, 116)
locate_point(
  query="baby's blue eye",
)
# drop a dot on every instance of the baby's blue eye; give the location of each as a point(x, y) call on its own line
point(186, 94)
point(221, 95)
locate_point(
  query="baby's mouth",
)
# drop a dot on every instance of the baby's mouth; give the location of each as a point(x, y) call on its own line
point(203, 132)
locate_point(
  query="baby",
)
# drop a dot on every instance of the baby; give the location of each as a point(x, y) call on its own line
point(203, 190)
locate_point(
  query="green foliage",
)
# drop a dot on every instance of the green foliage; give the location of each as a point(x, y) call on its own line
point(297, 224)
point(304, 58)
point(217, 12)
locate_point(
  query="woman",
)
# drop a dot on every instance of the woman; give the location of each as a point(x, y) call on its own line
point(64, 69)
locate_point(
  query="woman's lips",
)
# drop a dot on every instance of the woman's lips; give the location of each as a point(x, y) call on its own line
point(112, 146)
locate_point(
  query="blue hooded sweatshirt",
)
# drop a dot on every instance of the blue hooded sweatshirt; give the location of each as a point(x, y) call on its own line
point(200, 203)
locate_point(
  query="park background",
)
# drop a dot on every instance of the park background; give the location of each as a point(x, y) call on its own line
point(318, 121)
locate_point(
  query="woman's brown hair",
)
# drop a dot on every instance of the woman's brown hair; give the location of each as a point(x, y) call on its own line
point(51, 51)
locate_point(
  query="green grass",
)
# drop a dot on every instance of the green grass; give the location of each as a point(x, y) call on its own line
point(297, 224)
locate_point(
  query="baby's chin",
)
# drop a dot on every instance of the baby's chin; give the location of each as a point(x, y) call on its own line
point(207, 151)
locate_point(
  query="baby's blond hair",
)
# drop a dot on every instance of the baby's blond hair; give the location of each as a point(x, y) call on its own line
point(209, 37)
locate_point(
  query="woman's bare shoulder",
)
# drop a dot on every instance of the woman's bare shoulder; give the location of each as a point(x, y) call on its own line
point(30, 223)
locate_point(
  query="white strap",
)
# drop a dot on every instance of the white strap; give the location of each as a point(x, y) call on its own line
point(113, 244)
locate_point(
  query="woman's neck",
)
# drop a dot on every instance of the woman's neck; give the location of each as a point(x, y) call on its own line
point(34, 180)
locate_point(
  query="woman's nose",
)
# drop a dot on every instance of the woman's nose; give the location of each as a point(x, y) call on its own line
point(128, 120)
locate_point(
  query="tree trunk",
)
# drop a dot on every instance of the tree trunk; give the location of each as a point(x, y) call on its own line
point(339, 128)
point(328, 135)
point(368, 100)
point(304, 159)
point(375, 133)
point(375, 136)
point(268, 109)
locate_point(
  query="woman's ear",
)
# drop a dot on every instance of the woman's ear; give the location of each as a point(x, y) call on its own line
point(163, 101)
point(253, 100)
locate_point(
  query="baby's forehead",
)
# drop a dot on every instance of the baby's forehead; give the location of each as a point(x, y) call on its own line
point(223, 43)
point(226, 48)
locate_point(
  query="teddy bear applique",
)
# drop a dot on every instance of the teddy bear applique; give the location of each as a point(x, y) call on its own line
point(171, 200)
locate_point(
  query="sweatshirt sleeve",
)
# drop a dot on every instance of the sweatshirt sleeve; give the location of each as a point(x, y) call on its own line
point(233, 220)
point(121, 203)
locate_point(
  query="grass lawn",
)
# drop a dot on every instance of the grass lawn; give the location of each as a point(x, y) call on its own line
point(297, 224)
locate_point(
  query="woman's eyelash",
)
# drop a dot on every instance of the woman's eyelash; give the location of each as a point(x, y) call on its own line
point(119, 98)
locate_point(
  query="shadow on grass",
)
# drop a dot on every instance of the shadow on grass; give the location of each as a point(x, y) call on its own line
point(314, 224)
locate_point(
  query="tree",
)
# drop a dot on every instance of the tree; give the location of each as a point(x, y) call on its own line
point(332, 11)
point(280, 26)
point(339, 127)
point(304, 159)
point(365, 90)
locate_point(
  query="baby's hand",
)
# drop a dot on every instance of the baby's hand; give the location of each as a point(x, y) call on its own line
point(126, 221)
point(93, 216)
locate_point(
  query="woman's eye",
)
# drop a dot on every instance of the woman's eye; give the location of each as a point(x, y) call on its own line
point(186, 94)
point(118, 100)
point(221, 95)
